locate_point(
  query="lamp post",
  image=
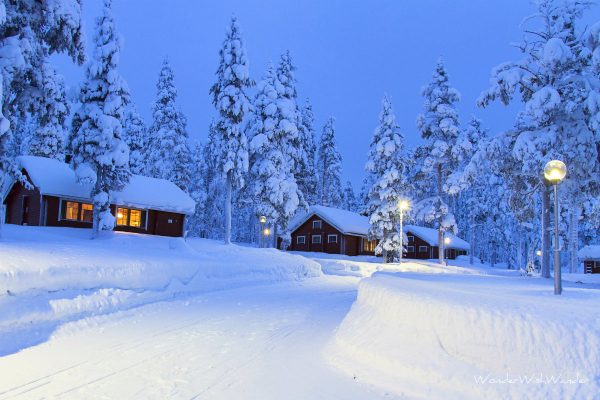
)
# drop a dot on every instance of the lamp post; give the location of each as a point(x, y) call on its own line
point(403, 205)
point(262, 220)
point(554, 172)
point(446, 243)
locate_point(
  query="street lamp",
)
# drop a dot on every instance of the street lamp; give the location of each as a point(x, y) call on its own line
point(555, 171)
point(446, 243)
point(403, 205)
point(266, 232)
point(262, 220)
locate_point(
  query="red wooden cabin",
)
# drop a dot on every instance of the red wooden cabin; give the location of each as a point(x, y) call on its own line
point(145, 205)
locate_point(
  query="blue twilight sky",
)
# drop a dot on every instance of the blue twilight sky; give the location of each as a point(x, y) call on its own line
point(347, 54)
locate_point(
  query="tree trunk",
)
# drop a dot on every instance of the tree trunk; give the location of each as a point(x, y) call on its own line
point(384, 252)
point(471, 239)
point(440, 220)
point(573, 239)
point(545, 231)
point(228, 189)
point(2, 215)
point(519, 248)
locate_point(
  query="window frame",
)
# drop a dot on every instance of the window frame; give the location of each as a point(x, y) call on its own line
point(411, 238)
point(423, 251)
point(319, 222)
point(303, 240)
point(313, 237)
point(332, 235)
point(408, 249)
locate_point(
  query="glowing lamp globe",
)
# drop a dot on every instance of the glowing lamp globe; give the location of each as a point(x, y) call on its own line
point(263, 219)
point(267, 232)
point(538, 253)
point(403, 205)
point(446, 240)
point(555, 171)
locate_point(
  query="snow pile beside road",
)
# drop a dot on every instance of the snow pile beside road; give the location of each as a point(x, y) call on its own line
point(470, 337)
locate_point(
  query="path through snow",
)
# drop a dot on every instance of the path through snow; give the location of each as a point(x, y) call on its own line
point(263, 342)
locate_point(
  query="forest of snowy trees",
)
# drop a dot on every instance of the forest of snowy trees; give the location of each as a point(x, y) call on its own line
point(264, 156)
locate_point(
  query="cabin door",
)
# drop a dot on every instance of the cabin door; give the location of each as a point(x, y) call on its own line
point(25, 209)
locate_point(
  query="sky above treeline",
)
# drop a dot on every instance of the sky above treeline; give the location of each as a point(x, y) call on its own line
point(348, 54)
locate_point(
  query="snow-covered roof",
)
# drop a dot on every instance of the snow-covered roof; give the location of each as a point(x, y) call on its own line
point(55, 178)
point(347, 222)
point(430, 236)
point(589, 252)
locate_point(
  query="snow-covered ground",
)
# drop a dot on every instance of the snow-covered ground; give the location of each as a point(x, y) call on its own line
point(52, 275)
point(132, 316)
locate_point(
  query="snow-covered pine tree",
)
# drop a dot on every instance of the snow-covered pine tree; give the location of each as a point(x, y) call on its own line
point(387, 165)
point(169, 149)
point(439, 127)
point(198, 190)
point(271, 134)
point(329, 167)
point(53, 109)
point(212, 226)
point(557, 80)
point(232, 103)
point(136, 136)
point(100, 154)
point(349, 201)
point(307, 179)
point(30, 31)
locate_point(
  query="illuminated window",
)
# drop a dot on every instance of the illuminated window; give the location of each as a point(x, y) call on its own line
point(369, 245)
point(71, 210)
point(122, 216)
point(87, 212)
point(135, 218)
point(130, 217)
point(301, 240)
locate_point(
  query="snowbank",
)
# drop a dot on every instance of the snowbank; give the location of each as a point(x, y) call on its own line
point(49, 275)
point(452, 336)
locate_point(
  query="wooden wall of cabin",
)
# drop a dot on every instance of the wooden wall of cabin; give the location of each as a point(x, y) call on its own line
point(23, 206)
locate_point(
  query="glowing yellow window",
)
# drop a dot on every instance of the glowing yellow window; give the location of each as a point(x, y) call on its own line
point(87, 212)
point(72, 210)
point(135, 218)
point(122, 216)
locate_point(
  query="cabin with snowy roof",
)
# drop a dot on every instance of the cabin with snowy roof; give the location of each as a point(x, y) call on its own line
point(590, 256)
point(335, 231)
point(145, 205)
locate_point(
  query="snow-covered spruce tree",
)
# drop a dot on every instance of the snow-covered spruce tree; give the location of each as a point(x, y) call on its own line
point(30, 31)
point(100, 154)
point(273, 185)
point(329, 167)
point(214, 182)
point(349, 201)
point(387, 165)
point(307, 180)
point(169, 149)
point(557, 80)
point(440, 128)
point(232, 103)
point(198, 190)
point(136, 136)
point(49, 137)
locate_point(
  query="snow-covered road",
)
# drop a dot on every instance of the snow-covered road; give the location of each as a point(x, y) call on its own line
point(262, 342)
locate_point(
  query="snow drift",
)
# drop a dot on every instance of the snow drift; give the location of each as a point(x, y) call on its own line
point(51, 275)
point(471, 337)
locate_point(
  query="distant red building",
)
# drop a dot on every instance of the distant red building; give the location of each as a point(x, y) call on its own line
point(590, 256)
point(145, 205)
point(335, 231)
